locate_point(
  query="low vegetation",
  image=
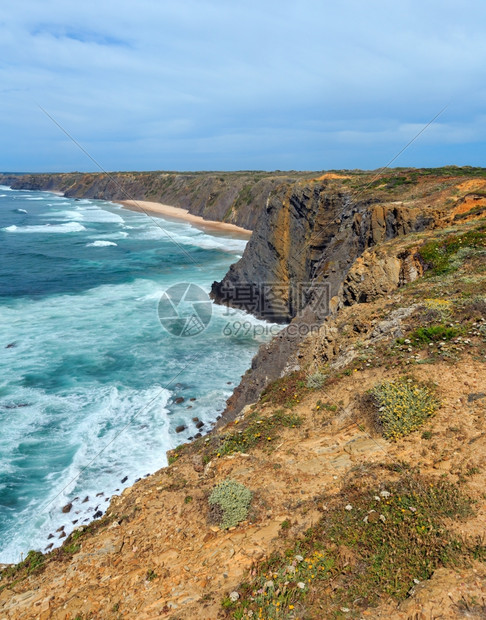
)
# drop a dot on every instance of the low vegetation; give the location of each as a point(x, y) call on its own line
point(33, 563)
point(403, 406)
point(370, 544)
point(233, 499)
point(444, 255)
point(316, 380)
point(259, 430)
point(432, 333)
point(286, 391)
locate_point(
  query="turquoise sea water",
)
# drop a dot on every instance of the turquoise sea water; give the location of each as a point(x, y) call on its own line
point(83, 355)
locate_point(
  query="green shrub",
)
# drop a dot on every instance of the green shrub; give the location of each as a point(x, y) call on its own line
point(434, 333)
point(234, 500)
point(439, 255)
point(316, 380)
point(403, 406)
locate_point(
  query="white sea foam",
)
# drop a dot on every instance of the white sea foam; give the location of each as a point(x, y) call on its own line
point(69, 227)
point(6, 188)
point(139, 450)
point(187, 236)
point(96, 215)
point(62, 215)
point(85, 214)
point(99, 243)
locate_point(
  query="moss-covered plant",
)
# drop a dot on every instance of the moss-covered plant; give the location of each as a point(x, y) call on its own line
point(403, 406)
point(234, 501)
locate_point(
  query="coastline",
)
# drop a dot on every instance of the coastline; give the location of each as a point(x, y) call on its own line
point(160, 210)
point(168, 212)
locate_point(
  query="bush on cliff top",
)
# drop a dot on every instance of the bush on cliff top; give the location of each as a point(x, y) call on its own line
point(439, 255)
point(234, 500)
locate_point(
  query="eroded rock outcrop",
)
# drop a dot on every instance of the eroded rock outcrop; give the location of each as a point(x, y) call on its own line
point(318, 239)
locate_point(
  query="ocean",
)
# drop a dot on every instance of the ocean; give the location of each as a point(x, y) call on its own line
point(91, 380)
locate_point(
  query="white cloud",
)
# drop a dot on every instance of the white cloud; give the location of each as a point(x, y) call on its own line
point(207, 83)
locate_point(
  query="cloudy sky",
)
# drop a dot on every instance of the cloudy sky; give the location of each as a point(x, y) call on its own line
point(253, 84)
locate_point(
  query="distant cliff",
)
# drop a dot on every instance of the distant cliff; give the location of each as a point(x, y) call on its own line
point(233, 197)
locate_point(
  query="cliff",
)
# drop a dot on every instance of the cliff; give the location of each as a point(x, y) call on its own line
point(357, 480)
point(232, 197)
point(355, 444)
point(305, 257)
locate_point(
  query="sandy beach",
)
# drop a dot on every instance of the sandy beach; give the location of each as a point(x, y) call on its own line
point(159, 209)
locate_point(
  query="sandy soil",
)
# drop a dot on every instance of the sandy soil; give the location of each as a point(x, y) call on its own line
point(158, 209)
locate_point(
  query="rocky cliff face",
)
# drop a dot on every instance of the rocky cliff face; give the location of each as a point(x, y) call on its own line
point(308, 256)
point(307, 238)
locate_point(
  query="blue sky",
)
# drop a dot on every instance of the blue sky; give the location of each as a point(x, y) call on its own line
point(220, 85)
